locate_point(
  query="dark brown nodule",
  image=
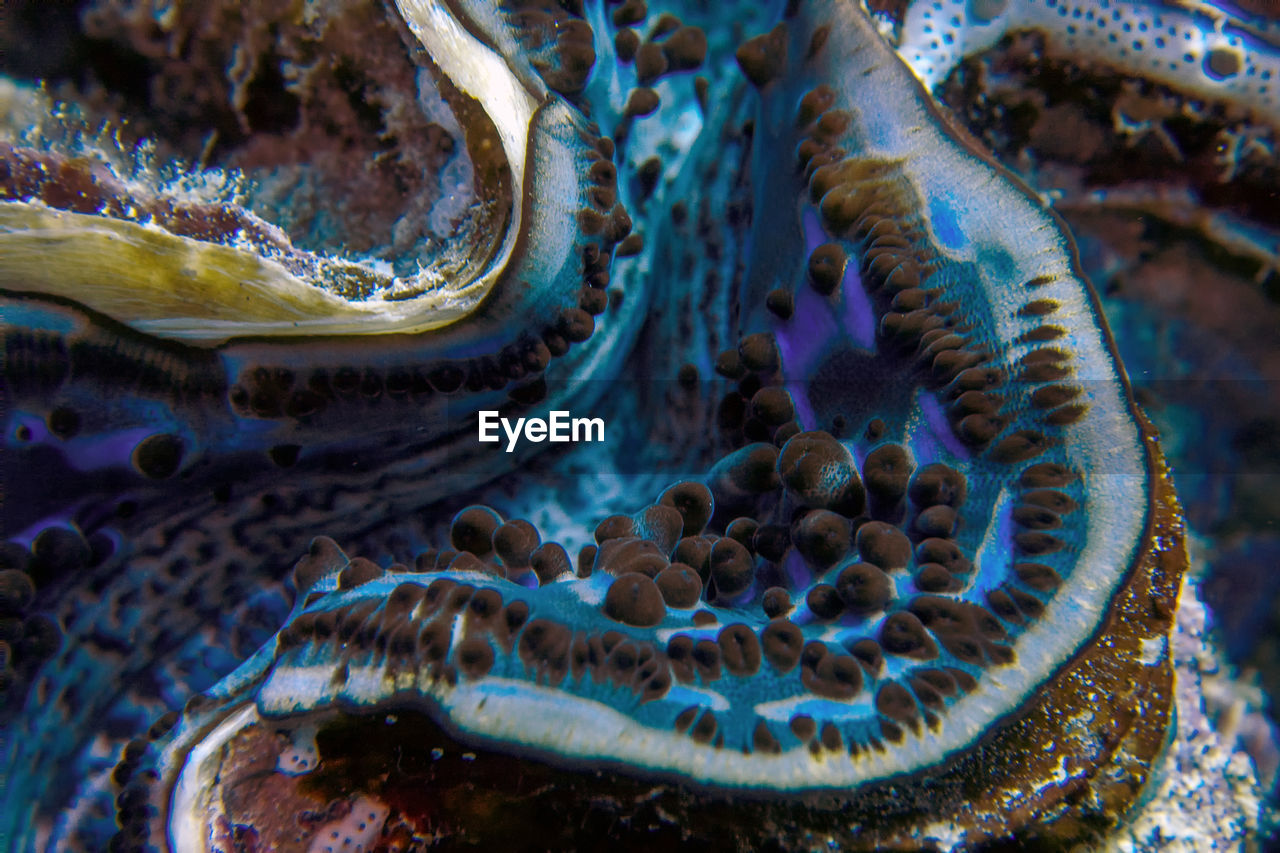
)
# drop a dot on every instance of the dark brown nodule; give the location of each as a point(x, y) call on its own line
point(763, 58)
point(158, 457)
point(634, 599)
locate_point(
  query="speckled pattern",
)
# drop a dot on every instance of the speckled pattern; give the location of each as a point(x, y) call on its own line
point(878, 549)
point(1204, 50)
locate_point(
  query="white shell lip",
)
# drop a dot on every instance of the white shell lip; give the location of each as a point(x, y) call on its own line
point(193, 796)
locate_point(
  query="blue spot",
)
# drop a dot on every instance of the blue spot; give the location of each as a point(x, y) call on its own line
point(945, 225)
point(35, 317)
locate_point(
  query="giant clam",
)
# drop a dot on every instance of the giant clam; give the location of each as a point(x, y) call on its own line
point(879, 551)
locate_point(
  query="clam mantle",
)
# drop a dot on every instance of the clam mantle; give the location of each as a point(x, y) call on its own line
point(877, 550)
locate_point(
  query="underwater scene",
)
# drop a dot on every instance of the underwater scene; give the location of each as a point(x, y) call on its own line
point(720, 425)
